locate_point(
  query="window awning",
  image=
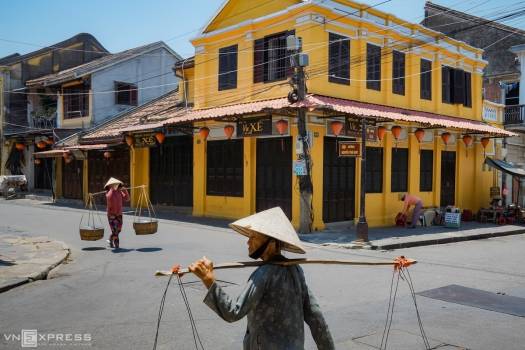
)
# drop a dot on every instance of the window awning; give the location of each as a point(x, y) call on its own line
point(505, 167)
point(54, 153)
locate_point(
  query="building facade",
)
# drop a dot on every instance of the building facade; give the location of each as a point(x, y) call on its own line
point(418, 91)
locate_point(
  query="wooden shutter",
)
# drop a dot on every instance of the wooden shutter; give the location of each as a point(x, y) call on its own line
point(339, 59)
point(228, 67)
point(458, 86)
point(468, 90)
point(425, 90)
point(445, 84)
point(258, 61)
point(398, 62)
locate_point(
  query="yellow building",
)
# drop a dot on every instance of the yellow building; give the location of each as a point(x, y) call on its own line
point(418, 91)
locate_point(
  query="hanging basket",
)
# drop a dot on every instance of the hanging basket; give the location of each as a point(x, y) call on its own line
point(90, 231)
point(146, 227)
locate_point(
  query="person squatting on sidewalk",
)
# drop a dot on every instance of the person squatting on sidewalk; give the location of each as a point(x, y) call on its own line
point(410, 200)
point(115, 195)
point(276, 298)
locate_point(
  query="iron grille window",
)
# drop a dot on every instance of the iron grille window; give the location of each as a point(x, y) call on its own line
point(339, 59)
point(398, 69)
point(374, 170)
point(126, 93)
point(399, 174)
point(373, 67)
point(426, 80)
point(271, 61)
point(76, 102)
point(224, 165)
point(426, 170)
point(228, 68)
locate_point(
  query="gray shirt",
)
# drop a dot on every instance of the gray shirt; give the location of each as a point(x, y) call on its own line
point(277, 301)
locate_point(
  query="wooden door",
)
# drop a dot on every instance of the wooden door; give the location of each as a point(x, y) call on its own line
point(43, 172)
point(274, 174)
point(448, 178)
point(101, 169)
point(338, 184)
point(171, 172)
point(72, 179)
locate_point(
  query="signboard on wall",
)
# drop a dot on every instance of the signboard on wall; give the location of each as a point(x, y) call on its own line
point(353, 129)
point(145, 140)
point(249, 127)
point(299, 167)
point(349, 149)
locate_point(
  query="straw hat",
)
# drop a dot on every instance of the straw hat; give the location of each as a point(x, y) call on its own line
point(271, 223)
point(113, 181)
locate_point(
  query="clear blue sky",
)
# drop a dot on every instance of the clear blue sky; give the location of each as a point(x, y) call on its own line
point(123, 24)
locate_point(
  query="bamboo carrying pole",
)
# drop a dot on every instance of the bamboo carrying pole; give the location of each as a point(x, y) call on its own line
point(400, 262)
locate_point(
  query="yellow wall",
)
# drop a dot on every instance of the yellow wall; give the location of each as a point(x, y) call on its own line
point(139, 174)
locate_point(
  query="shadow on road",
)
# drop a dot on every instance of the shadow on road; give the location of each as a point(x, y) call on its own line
point(92, 249)
point(121, 250)
point(148, 250)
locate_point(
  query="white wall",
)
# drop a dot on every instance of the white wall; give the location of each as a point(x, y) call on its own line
point(151, 69)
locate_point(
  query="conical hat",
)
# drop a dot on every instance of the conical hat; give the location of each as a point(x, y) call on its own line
point(113, 181)
point(271, 223)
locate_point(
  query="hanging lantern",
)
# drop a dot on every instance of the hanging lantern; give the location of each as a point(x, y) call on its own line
point(485, 142)
point(41, 144)
point(20, 146)
point(204, 132)
point(107, 155)
point(49, 141)
point(420, 134)
point(281, 126)
point(160, 137)
point(396, 132)
point(38, 161)
point(467, 140)
point(381, 131)
point(129, 140)
point(445, 137)
point(228, 131)
point(66, 154)
point(337, 127)
point(68, 159)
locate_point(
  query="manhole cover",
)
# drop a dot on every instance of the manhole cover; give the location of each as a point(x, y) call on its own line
point(478, 298)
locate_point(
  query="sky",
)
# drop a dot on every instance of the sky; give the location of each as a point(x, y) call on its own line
point(118, 25)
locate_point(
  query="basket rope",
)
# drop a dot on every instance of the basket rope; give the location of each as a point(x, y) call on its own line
point(91, 207)
point(144, 198)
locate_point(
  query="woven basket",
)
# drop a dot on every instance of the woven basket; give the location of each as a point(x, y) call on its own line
point(148, 227)
point(91, 233)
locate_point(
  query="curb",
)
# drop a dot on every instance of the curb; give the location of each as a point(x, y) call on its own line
point(40, 275)
point(444, 240)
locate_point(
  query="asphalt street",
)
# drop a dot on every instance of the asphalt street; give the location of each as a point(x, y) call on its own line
point(114, 297)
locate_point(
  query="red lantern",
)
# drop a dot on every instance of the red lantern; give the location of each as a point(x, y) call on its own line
point(160, 137)
point(38, 161)
point(228, 131)
point(107, 154)
point(420, 134)
point(337, 127)
point(65, 154)
point(129, 140)
point(381, 131)
point(68, 159)
point(467, 140)
point(396, 131)
point(41, 144)
point(204, 132)
point(445, 137)
point(485, 142)
point(281, 126)
point(49, 141)
point(20, 146)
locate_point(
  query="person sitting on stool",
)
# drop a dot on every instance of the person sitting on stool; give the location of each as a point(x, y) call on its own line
point(409, 201)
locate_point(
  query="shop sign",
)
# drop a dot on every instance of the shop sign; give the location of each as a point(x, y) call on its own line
point(299, 167)
point(145, 140)
point(349, 149)
point(254, 127)
point(353, 129)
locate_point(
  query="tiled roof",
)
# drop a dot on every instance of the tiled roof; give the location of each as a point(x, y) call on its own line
point(90, 67)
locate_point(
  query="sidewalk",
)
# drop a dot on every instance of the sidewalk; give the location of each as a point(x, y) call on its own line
point(387, 238)
point(25, 259)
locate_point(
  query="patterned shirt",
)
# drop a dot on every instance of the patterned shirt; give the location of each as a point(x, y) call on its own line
point(277, 301)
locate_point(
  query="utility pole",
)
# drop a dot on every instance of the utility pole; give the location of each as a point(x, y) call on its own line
point(299, 61)
point(362, 225)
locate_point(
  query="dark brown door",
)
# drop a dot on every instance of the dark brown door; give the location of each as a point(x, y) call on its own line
point(448, 178)
point(274, 174)
point(338, 184)
point(72, 175)
point(101, 169)
point(43, 172)
point(171, 172)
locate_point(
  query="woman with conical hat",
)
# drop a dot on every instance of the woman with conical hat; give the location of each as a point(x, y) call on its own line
point(276, 299)
point(116, 194)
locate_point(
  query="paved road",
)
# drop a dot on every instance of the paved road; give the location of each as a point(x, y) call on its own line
point(114, 298)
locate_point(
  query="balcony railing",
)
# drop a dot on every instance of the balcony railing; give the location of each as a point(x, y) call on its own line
point(493, 112)
point(43, 120)
point(514, 115)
